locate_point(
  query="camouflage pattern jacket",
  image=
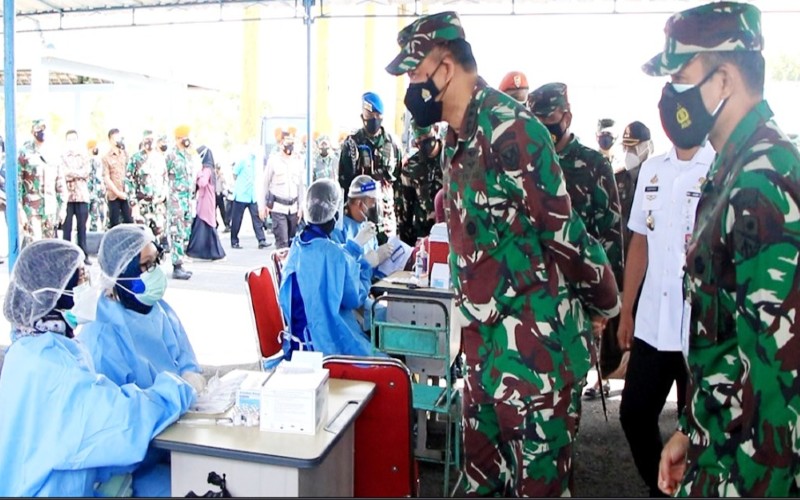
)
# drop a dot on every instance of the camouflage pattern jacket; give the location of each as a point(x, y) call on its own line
point(743, 282)
point(593, 191)
point(325, 166)
point(179, 173)
point(380, 158)
point(421, 179)
point(145, 181)
point(527, 275)
point(31, 165)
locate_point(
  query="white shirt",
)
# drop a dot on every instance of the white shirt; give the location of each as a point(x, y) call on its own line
point(283, 177)
point(668, 190)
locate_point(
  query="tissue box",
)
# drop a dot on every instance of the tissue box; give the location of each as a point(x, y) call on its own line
point(295, 401)
point(249, 392)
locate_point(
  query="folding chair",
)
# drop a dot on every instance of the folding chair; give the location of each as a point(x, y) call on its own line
point(278, 260)
point(431, 345)
point(269, 322)
point(384, 452)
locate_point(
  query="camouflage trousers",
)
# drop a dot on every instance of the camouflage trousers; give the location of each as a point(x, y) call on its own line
point(179, 217)
point(522, 447)
point(152, 215)
point(98, 211)
point(32, 230)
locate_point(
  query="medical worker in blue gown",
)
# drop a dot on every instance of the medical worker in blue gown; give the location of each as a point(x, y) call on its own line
point(64, 428)
point(358, 223)
point(323, 283)
point(136, 334)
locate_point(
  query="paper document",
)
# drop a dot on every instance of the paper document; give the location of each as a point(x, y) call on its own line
point(396, 261)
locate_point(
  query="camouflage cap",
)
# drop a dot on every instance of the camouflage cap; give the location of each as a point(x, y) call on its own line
point(545, 100)
point(146, 134)
point(418, 39)
point(38, 124)
point(714, 27)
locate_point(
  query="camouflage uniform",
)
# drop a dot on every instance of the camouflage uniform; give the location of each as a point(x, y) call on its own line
point(146, 180)
point(325, 167)
point(380, 158)
point(31, 165)
point(179, 215)
point(526, 275)
point(743, 284)
point(98, 208)
point(589, 179)
point(421, 179)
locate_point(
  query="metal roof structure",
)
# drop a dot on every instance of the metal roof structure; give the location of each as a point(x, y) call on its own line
point(56, 78)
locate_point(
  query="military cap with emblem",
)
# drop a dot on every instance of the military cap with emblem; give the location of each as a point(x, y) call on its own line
point(512, 81)
point(420, 37)
point(635, 133)
point(714, 27)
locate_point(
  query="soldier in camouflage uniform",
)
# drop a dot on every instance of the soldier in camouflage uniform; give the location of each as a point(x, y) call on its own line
point(40, 187)
point(372, 151)
point(593, 192)
point(146, 181)
point(179, 213)
point(421, 177)
point(98, 208)
point(739, 434)
point(527, 275)
point(326, 160)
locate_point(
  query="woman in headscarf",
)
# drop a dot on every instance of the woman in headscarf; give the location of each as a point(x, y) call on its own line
point(64, 427)
point(204, 242)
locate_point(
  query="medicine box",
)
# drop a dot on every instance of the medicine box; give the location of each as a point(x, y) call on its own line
point(295, 401)
point(249, 392)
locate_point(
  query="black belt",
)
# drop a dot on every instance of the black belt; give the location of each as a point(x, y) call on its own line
point(285, 201)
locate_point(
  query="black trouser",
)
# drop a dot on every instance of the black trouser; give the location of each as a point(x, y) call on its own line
point(81, 213)
point(222, 212)
point(119, 209)
point(647, 384)
point(284, 227)
point(236, 221)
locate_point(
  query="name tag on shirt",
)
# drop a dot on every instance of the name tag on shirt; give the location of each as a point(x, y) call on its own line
point(651, 189)
point(692, 194)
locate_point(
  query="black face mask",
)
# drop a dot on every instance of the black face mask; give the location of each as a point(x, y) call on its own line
point(427, 146)
point(95, 151)
point(39, 135)
point(372, 125)
point(605, 141)
point(556, 132)
point(288, 148)
point(186, 143)
point(147, 145)
point(372, 214)
point(163, 148)
point(421, 102)
point(323, 152)
point(685, 119)
point(121, 145)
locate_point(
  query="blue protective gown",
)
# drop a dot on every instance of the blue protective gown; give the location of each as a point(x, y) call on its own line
point(129, 347)
point(349, 230)
point(332, 284)
point(64, 427)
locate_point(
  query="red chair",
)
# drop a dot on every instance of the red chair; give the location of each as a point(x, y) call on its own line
point(384, 460)
point(269, 322)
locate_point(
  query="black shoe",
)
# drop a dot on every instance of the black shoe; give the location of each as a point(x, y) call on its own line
point(236, 245)
point(87, 262)
point(226, 230)
point(263, 244)
point(179, 273)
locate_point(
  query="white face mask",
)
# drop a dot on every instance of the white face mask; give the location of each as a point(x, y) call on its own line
point(631, 160)
point(85, 298)
point(635, 158)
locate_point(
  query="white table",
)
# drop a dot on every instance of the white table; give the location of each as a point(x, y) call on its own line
point(269, 464)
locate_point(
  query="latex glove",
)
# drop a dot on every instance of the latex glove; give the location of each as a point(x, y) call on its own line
point(385, 251)
point(365, 234)
point(372, 258)
point(194, 379)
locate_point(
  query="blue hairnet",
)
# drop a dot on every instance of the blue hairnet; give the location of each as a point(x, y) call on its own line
point(371, 102)
point(118, 247)
point(44, 264)
point(322, 201)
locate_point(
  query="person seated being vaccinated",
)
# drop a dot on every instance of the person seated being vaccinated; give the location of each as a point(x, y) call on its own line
point(136, 334)
point(323, 283)
point(66, 430)
point(358, 223)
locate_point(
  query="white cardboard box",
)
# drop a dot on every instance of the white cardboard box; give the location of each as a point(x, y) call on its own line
point(295, 401)
point(249, 392)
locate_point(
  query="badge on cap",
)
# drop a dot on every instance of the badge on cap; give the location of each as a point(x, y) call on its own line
point(517, 81)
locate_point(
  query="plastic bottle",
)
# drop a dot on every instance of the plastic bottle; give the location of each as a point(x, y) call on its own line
point(421, 267)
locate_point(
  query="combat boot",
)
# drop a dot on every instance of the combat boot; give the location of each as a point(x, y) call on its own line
point(179, 273)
